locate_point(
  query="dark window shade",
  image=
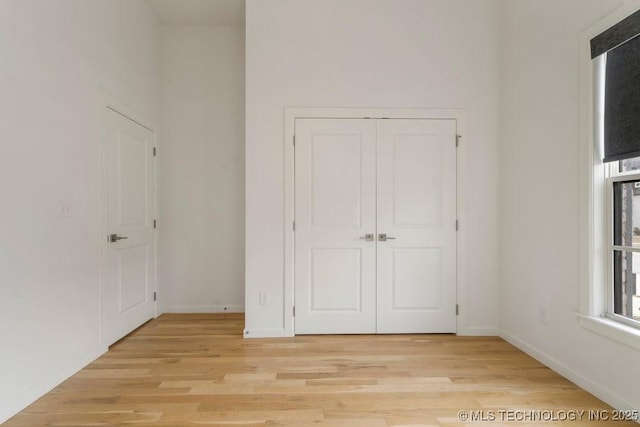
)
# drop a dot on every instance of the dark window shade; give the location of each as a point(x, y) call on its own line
point(622, 102)
point(624, 30)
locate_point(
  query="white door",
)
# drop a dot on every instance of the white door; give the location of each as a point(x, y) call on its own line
point(417, 213)
point(394, 180)
point(129, 253)
point(335, 204)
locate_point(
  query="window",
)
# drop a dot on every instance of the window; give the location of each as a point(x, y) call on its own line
point(616, 56)
point(623, 183)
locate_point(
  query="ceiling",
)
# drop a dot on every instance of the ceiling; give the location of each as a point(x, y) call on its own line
point(198, 12)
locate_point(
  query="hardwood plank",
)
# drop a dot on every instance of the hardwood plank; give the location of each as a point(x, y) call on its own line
point(196, 369)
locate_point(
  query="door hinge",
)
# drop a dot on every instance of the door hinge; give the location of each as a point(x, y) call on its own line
point(458, 137)
point(154, 151)
point(457, 225)
point(155, 224)
point(294, 226)
point(155, 296)
point(294, 311)
point(457, 310)
point(294, 140)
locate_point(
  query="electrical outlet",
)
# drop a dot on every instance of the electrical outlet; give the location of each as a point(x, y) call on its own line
point(264, 298)
point(64, 209)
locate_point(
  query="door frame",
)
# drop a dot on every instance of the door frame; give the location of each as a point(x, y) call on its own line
point(107, 103)
point(293, 113)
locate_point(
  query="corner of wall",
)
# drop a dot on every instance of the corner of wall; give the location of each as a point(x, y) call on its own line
point(22, 400)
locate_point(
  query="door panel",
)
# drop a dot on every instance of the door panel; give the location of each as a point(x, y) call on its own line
point(129, 265)
point(336, 196)
point(417, 175)
point(417, 273)
point(335, 206)
point(133, 264)
point(131, 170)
point(416, 270)
point(336, 280)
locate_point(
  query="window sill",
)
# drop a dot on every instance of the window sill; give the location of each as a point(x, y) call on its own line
point(611, 329)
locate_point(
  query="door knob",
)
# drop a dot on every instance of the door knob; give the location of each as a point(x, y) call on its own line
point(367, 237)
point(114, 238)
point(383, 237)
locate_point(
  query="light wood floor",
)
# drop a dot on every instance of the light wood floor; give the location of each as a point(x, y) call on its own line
point(181, 370)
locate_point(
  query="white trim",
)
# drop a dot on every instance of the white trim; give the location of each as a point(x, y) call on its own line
point(580, 380)
point(158, 307)
point(104, 206)
point(205, 309)
point(613, 330)
point(107, 102)
point(266, 333)
point(291, 113)
point(480, 331)
point(33, 393)
point(586, 217)
point(623, 320)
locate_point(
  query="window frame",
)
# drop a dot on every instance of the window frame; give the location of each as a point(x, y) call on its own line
point(593, 213)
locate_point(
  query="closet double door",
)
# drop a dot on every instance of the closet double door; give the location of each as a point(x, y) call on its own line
point(375, 226)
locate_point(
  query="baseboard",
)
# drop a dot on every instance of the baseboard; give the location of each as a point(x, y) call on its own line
point(265, 333)
point(10, 408)
point(204, 309)
point(478, 331)
point(575, 377)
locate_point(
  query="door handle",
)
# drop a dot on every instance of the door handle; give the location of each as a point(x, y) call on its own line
point(383, 237)
point(367, 237)
point(114, 238)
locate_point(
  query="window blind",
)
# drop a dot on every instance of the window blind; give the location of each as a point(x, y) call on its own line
point(622, 88)
point(622, 102)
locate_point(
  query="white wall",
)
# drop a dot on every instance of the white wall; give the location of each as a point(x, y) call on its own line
point(57, 57)
point(540, 241)
point(201, 264)
point(369, 53)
